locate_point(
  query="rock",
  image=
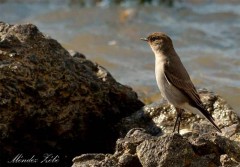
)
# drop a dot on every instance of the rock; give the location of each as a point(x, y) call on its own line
point(171, 150)
point(160, 116)
point(124, 156)
point(226, 161)
point(90, 160)
point(152, 143)
point(74, 53)
point(53, 102)
point(138, 148)
point(229, 147)
point(106, 160)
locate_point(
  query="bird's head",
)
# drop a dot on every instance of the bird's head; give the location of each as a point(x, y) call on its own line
point(159, 42)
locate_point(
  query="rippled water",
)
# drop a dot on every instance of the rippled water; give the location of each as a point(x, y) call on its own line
point(206, 35)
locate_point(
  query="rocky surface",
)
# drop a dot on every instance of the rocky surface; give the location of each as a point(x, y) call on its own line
point(139, 148)
point(53, 101)
point(161, 116)
point(151, 143)
point(56, 101)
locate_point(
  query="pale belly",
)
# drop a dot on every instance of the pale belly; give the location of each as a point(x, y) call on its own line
point(169, 91)
point(174, 96)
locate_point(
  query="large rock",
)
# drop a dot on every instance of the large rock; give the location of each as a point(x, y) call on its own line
point(140, 149)
point(160, 116)
point(151, 142)
point(52, 102)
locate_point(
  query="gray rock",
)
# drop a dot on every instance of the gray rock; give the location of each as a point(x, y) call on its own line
point(139, 148)
point(170, 150)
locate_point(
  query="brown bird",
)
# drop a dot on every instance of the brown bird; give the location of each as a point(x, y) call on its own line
point(173, 80)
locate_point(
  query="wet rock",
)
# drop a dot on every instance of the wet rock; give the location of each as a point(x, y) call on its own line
point(53, 102)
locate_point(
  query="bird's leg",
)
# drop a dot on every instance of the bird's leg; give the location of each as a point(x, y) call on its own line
point(178, 119)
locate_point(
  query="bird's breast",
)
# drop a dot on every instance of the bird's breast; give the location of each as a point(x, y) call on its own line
point(168, 90)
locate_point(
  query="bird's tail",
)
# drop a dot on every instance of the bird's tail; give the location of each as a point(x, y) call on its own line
point(209, 117)
point(205, 114)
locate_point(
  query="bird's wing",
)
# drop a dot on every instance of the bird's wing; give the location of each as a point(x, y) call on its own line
point(177, 75)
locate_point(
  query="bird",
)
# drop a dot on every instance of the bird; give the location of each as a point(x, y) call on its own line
point(174, 81)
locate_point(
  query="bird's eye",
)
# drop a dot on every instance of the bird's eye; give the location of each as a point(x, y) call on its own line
point(154, 38)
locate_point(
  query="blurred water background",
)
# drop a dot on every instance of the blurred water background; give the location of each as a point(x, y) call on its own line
point(206, 35)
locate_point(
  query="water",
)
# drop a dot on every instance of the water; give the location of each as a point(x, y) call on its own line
point(206, 35)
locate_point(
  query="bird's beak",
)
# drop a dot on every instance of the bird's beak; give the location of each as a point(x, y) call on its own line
point(144, 39)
